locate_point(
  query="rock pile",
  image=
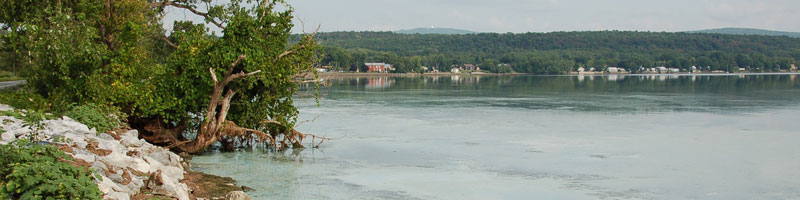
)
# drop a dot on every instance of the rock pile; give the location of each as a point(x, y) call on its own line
point(125, 164)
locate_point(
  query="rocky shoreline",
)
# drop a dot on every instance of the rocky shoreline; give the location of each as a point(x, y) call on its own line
point(125, 165)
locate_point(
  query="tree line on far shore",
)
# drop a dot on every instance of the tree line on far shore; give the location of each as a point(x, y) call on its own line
point(560, 52)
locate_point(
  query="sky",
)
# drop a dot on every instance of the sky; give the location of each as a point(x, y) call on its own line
point(541, 15)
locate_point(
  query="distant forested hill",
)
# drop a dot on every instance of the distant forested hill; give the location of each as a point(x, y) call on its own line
point(447, 31)
point(560, 52)
point(749, 31)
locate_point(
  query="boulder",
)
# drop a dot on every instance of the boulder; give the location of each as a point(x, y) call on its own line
point(133, 133)
point(4, 107)
point(118, 160)
point(131, 141)
point(135, 185)
point(105, 136)
point(99, 166)
point(237, 195)
point(84, 155)
point(112, 145)
point(7, 137)
point(173, 188)
point(107, 186)
point(161, 156)
point(117, 196)
point(79, 140)
point(65, 125)
point(140, 165)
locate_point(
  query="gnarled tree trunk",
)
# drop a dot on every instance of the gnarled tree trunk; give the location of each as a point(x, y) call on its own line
point(214, 123)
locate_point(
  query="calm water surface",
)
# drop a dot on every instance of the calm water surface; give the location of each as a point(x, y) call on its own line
point(538, 137)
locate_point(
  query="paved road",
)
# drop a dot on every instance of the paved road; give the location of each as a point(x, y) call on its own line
point(11, 83)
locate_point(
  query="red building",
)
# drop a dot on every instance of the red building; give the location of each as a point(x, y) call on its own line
point(378, 67)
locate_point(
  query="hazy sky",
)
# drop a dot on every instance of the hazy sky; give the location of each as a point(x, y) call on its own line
point(544, 15)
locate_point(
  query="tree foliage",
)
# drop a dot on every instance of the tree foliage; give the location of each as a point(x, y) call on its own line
point(116, 53)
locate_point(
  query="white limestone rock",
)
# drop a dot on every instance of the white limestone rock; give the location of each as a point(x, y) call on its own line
point(112, 145)
point(174, 188)
point(117, 196)
point(4, 107)
point(140, 165)
point(131, 141)
point(135, 185)
point(237, 195)
point(105, 136)
point(61, 126)
point(133, 133)
point(123, 156)
point(84, 155)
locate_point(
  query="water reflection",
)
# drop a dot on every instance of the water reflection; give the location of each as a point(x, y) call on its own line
point(379, 82)
point(610, 93)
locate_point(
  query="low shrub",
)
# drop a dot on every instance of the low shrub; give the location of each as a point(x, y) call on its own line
point(24, 99)
point(35, 171)
point(103, 118)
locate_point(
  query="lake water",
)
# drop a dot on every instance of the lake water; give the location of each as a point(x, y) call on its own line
point(537, 137)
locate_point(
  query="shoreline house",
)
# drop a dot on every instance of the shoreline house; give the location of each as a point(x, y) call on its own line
point(466, 67)
point(378, 67)
point(616, 70)
point(471, 67)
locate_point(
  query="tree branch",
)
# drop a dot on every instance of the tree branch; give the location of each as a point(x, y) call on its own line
point(169, 42)
point(187, 7)
point(238, 60)
point(213, 75)
point(302, 46)
point(239, 75)
point(226, 105)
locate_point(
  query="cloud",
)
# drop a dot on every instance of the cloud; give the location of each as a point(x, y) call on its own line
point(549, 15)
point(496, 22)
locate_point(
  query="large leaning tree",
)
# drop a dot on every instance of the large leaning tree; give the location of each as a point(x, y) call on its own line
point(232, 88)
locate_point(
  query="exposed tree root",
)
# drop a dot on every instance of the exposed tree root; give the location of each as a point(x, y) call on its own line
point(215, 127)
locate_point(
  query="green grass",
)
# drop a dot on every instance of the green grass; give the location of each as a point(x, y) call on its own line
point(4, 79)
point(8, 76)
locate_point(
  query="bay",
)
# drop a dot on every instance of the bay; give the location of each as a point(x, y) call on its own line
point(536, 137)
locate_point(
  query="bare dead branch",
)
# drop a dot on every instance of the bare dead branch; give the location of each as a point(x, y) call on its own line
point(226, 105)
point(213, 75)
point(169, 42)
point(238, 60)
point(187, 7)
point(303, 122)
point(309, 81)
point(302, 46)
point(303, 74)
point(239, 75)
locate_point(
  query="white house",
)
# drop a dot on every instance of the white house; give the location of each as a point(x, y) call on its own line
point(455, 70)
point(616, 70)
